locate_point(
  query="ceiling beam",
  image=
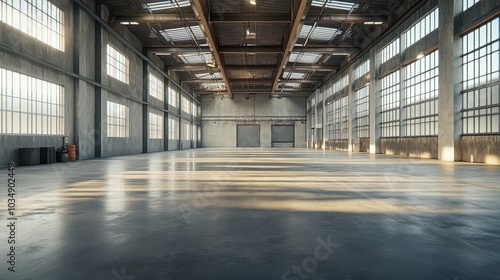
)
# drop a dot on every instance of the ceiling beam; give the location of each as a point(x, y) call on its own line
point(272, 50)
point(154, 18)
point(205, 25)
point(249, 90)
point(292, 38)
point(253, 81)
point(175, 50)
point(297, 67)
point(246, 18)
point(327, 50)
point(251, 49)
point(339, 18)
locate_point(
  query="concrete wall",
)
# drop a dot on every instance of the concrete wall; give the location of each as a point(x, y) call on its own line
point(220, 118)
point(485, 149)
point(421, 147)
point(338, 145)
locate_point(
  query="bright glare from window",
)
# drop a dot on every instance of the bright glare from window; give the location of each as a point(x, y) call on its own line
point(117, 65)
point(156, 87)
point(118, 120)
point(155, 126)
point(29, 105)
point(40, 19)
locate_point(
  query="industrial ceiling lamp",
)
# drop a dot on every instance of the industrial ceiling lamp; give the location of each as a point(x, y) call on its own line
point(249, 34)
point(253, 2)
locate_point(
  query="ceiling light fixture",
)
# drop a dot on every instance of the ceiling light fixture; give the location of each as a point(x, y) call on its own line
point(420, 56)
point(374, 22)
point(249, 34)
point(253, 2)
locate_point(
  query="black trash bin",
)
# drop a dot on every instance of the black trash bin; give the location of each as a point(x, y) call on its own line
point(28, 156)
point(47, 155)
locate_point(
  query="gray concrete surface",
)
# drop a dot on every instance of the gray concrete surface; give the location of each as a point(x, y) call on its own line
point(255, 214)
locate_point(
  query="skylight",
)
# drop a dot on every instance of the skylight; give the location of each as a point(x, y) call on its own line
point(304, 57)
point(182, 34)
point(193, 58)
point(207, 76)
point(291, 85)
point(169, 4)
point(294, 75)
point(213, 86)
point(339, 5)
point(319, 33)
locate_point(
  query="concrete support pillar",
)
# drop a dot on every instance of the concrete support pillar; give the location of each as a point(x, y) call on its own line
point(76, 69)
point(165, 114)
point(375, 131)
point(180, 119)
point(99, 108)
point(145, 109)
point(350, 110)
point(323, 119)
point(449, 93)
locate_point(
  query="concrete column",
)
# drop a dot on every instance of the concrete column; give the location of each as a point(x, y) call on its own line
point(165, 114)
point(98, 91)
point(145, 109)
point(350, 111)
point(76, 69)
point(375, 131)
point(449, 93)
point(323, 119)
point(180, 119)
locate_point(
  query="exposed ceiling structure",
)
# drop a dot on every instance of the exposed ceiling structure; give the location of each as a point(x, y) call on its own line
point(275, 47)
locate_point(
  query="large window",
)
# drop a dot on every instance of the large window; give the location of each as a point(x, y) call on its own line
point(420, 103)
point(340, 118)
point(118, 120)
point(40, 19)
point(173, 128)
point(390, 50)
point(156, 87)
point(390, 94)
point(341, 84)
point(155, 126)
point(468, 3)
point(186, 105)
point(362, 113)
point(481, 76)
point(361, 70)
point(117, 65)
point(187, 131)
point(29, 105)
point(422, 28)
point(173, 96)
point(329, 121)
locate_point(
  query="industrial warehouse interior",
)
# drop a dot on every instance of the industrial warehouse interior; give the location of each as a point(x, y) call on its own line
point(250, 139)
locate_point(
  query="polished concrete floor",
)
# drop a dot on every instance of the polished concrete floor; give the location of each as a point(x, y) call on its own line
point(255, 214)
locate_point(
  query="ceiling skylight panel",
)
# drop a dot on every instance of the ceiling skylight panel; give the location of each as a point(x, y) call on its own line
point(182, 34)
point(318, 33)
point(294, 75)
point(304, 57)
point(194, 58)
point(339, 5)
point(169, 4)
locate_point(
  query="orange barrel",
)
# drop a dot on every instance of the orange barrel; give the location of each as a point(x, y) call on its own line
point(71, 152)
